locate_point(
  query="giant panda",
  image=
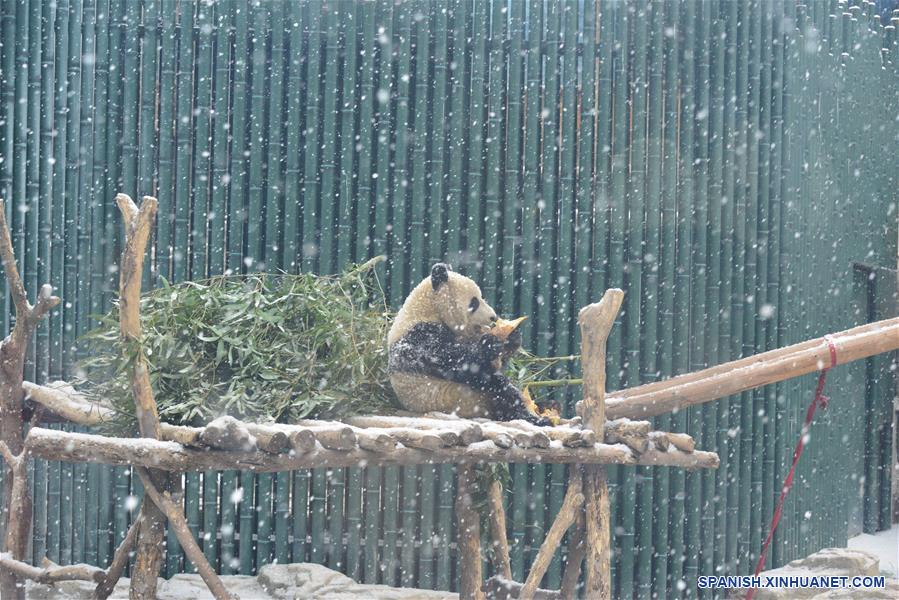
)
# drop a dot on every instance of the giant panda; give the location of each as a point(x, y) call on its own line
point(442, 356)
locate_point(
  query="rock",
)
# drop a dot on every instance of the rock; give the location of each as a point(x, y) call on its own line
point(829, 562)
point(64, 590)
point(890, 592)
point(192, 587)
point(313, 581)
point(284, 581)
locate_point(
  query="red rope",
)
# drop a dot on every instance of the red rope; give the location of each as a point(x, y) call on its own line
point(819, 400)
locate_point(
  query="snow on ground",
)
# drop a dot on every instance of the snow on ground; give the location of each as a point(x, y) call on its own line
point(883, 544)
point(274, 582)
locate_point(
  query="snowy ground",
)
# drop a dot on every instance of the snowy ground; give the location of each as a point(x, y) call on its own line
point(274, 582)
point(885, 545)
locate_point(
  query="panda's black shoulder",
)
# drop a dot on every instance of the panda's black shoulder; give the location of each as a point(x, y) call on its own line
point(427, 333)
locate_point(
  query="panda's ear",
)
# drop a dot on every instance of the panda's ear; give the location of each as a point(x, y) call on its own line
point(439, 275)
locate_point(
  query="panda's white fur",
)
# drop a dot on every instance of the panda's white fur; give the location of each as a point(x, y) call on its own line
point(449, 304)
point(442, 357)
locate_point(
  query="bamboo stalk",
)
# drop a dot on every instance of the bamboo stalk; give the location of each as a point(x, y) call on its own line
point(763, 369)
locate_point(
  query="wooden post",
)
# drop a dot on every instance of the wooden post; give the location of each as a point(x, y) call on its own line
point(469, 529)
point(596, 322)
point(576, 550)
point(568, 514)
point(498, 530)
point(138, 222)
point(184, 535)
point(15, 527)
point(119, 561)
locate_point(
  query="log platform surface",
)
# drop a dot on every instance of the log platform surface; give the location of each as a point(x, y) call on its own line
point(433, 438)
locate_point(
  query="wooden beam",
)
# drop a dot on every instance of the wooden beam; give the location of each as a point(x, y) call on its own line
point(755, 371)
point(596, 322)
point(68, 446)
point(61, 398)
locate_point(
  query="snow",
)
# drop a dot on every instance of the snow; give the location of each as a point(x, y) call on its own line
point(883, 544)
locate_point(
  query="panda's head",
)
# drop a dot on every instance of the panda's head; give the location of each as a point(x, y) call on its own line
point(458, 303)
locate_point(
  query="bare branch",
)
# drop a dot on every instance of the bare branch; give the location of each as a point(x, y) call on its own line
point(46, 301)
point(7, 255)
point(52, 573)
point(119, 561)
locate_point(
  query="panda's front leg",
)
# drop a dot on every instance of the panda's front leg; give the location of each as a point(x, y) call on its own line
point(508, 405)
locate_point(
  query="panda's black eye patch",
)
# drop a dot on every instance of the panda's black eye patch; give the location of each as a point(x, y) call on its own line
point(473, 305)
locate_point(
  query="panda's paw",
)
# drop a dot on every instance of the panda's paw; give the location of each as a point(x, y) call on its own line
point(539, 421)
point(490, 347)
point(513, 343)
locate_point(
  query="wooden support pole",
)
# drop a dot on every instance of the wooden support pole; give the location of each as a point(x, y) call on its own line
point(571, 506)
point(18, 524)
point(498, 530)
point(138, 222)
point(14, 533)
point(469, 530)
point(576, 550)
point(596, 322)
point(179, 525)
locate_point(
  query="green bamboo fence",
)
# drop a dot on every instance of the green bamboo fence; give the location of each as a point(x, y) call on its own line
point(729, 164)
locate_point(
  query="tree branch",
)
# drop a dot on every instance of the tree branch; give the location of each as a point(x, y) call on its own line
point(51, 572)
point(27, 316)
point(119, 561)
point(7, 255)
